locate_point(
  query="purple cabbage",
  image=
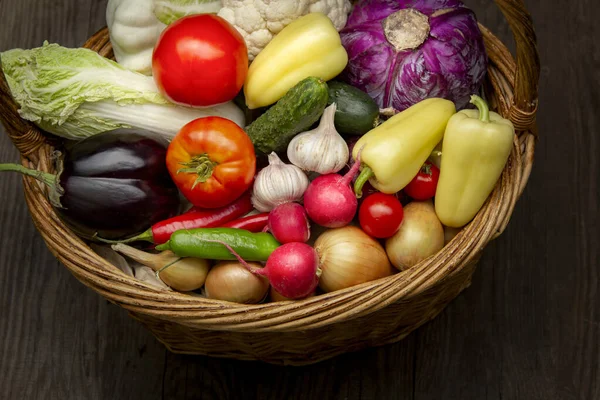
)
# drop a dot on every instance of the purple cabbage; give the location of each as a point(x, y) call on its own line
point(449, 61)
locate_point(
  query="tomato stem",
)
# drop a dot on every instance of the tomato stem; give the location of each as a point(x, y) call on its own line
point(201, 165)
point(426, 169)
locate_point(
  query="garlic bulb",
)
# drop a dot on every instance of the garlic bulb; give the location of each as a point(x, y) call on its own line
point(322, 149)
point(277, 184)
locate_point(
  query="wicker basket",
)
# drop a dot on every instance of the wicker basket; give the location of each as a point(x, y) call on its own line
point(307, 331)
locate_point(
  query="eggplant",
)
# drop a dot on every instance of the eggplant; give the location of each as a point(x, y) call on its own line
point(112, 185)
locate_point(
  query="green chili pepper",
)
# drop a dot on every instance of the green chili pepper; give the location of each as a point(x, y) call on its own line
point(202, 243)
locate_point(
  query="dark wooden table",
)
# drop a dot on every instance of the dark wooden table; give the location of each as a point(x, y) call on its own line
point(528, 327)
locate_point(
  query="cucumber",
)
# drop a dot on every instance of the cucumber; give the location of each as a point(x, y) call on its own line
point(357, 113)
point(294, 113)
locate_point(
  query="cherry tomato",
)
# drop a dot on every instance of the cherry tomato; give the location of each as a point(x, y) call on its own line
point(368, 189)
point(380, 215)
point(423, 186)
point(200, 60)
point(212, 162)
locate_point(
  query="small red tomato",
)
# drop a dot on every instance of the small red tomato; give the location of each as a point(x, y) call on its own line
point(212, 161)
point(200, 60)
point(368, 189)
point(423, 186)
point(380, 215)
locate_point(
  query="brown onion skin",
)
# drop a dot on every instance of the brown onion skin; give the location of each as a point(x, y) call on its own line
point(349, 257)
point(231, 281)
point(420, 236)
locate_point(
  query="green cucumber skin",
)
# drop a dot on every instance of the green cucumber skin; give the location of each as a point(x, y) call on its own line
point(356, 113)
point(294, 113)
point(250, 246)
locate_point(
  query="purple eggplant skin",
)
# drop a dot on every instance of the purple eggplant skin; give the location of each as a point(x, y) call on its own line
point(116, 184)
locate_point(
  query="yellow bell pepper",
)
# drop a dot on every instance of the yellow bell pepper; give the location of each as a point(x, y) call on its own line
point(393, 153)
point(476, 147)
point(309, 46)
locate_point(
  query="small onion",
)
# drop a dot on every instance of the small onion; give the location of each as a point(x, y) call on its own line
point(349, 257)
point(421, 235)
point(231, 281)
point(183, 274)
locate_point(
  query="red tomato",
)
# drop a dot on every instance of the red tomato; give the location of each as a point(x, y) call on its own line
point(368, 189)
point(423, 186)
point(200, 60)
point(212, 161)
point(380, 215)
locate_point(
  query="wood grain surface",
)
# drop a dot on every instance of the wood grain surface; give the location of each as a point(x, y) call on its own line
point(527, 328)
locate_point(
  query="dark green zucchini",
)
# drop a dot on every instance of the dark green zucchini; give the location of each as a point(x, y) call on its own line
point(294, 113)
point(357, 113)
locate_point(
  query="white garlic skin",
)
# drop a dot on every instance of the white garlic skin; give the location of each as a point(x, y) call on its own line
point(323, 149)
point(277, 184)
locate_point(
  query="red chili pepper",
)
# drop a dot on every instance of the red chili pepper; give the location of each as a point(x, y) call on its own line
point(253, 223)
point(161, 232)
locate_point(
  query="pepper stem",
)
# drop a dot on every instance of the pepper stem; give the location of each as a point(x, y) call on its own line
point(482, 106)
point(366, 174)
point(46, 178)
point(201, 165)
point(144, 236)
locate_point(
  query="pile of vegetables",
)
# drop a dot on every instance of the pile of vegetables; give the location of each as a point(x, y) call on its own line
point(272, 157)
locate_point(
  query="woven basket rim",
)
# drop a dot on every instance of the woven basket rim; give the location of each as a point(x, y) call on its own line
point(315, 312)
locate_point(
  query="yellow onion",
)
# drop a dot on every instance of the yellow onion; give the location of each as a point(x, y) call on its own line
point(421, 235)
point(349, 257)
point(183, 274)
point(231, 281)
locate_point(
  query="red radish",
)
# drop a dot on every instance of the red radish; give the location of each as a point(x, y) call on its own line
point(292, 269)
point(329, 199)
point(288, 223)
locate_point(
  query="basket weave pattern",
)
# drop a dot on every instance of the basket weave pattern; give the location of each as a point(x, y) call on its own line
point(307, 331)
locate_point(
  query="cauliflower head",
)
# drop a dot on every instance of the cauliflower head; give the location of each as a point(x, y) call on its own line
point(260, 20)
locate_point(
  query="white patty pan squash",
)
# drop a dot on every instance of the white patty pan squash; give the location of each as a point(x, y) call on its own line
point(135, 25)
